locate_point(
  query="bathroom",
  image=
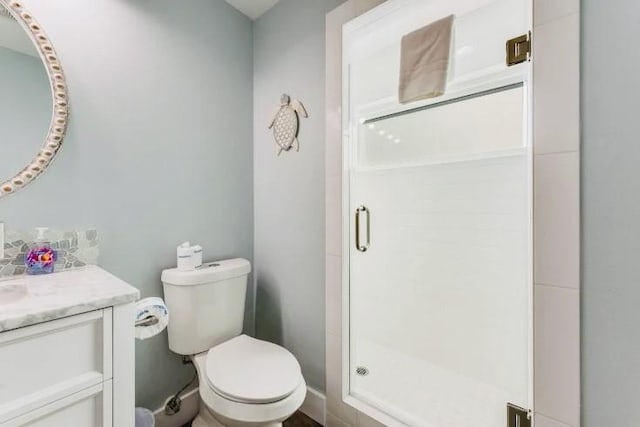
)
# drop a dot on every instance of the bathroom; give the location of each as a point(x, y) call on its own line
point(167, 139)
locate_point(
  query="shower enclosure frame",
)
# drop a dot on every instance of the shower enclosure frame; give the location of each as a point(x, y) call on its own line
point(384, 108)
point(556, 373)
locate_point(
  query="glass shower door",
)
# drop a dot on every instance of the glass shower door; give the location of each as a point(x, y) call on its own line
point(439, 262)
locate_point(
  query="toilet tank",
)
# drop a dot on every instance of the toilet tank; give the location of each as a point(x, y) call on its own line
point(206, 305)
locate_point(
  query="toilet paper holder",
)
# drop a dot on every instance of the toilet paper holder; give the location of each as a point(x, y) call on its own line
point(151, 317)
point(147, 321)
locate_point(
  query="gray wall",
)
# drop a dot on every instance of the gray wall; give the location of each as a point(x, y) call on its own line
point(289, 190)
point(159, 146)
point(25, 109)
point(610, 214)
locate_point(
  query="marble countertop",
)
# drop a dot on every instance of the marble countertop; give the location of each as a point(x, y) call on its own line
point(28, 300)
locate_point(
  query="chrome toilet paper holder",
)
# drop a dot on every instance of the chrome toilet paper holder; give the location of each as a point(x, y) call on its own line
point(147, 321)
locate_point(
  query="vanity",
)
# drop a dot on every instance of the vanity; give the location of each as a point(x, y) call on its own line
point(67, 350)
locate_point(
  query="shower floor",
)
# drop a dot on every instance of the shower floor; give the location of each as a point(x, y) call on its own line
point(423, 394)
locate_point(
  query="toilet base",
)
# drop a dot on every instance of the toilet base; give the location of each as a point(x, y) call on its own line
point(206, 418)
point(200, 422)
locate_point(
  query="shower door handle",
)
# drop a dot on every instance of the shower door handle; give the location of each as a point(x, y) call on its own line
point(359, 211)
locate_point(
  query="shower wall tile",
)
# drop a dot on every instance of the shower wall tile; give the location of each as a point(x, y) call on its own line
point(542, 421)
point(333, 144)
point(333, 214)
point(335, 405)
point(556, 212)
point(557, 219)
point(338, 414)
point(333, 294)
point(557, 353)
point(334, 148)
point(333, 91)
point(556, 69)
point(545, 11)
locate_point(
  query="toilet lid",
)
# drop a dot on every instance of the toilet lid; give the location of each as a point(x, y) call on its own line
point(248, 370)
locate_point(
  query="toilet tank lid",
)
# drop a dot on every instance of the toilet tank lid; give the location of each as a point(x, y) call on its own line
point(209, 272)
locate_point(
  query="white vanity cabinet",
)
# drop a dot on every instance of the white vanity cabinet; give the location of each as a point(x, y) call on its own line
point(72, 371)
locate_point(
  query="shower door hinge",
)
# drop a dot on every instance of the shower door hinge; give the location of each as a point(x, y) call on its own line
point(517, 416)
point(518, 49)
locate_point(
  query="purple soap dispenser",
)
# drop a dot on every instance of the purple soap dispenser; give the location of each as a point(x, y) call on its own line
point(41, 258)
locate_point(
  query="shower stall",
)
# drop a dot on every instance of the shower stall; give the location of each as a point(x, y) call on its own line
point(437, 221)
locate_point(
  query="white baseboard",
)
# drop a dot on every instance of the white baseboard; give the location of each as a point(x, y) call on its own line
point(314, 406)
point(188, 411)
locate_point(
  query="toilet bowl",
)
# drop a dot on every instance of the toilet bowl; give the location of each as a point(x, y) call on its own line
point(243, 381)
point(248, 382)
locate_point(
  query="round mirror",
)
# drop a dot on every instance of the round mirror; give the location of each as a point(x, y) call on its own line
point(33, 100)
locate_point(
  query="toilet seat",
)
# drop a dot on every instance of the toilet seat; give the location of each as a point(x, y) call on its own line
point(230, 412)
point(249, 370)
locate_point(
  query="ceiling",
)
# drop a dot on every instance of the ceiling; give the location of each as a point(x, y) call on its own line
point(252, 8)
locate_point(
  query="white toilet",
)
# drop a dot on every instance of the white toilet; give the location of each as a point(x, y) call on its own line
point(243, 381)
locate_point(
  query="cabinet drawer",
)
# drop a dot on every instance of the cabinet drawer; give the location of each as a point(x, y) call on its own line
point(90, 407)
point(49, 361)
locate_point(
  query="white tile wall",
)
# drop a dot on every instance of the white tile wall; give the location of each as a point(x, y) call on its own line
point(557, 353)
point(557, 226)
point(556, 50)
point(547, 10)
point(333, 152)
point(338, 413)
point(333, 285)
point(556, 92)
point(542, 421)
point(335, 406)
point(333, 213)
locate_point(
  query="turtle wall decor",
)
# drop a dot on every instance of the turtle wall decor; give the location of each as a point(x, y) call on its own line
point(286, 123)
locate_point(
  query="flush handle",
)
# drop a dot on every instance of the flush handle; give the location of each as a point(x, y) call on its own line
point(360, 211)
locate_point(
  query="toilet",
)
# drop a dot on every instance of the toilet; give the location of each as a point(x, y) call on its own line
point(243, 381)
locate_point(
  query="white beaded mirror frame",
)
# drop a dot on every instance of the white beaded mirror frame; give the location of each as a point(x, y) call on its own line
point(58, 127)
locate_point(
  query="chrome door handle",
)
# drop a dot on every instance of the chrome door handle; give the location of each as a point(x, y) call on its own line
point(359, 246)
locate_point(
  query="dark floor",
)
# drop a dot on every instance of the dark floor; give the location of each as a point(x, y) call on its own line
point(297, 420)
point(300, 420)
